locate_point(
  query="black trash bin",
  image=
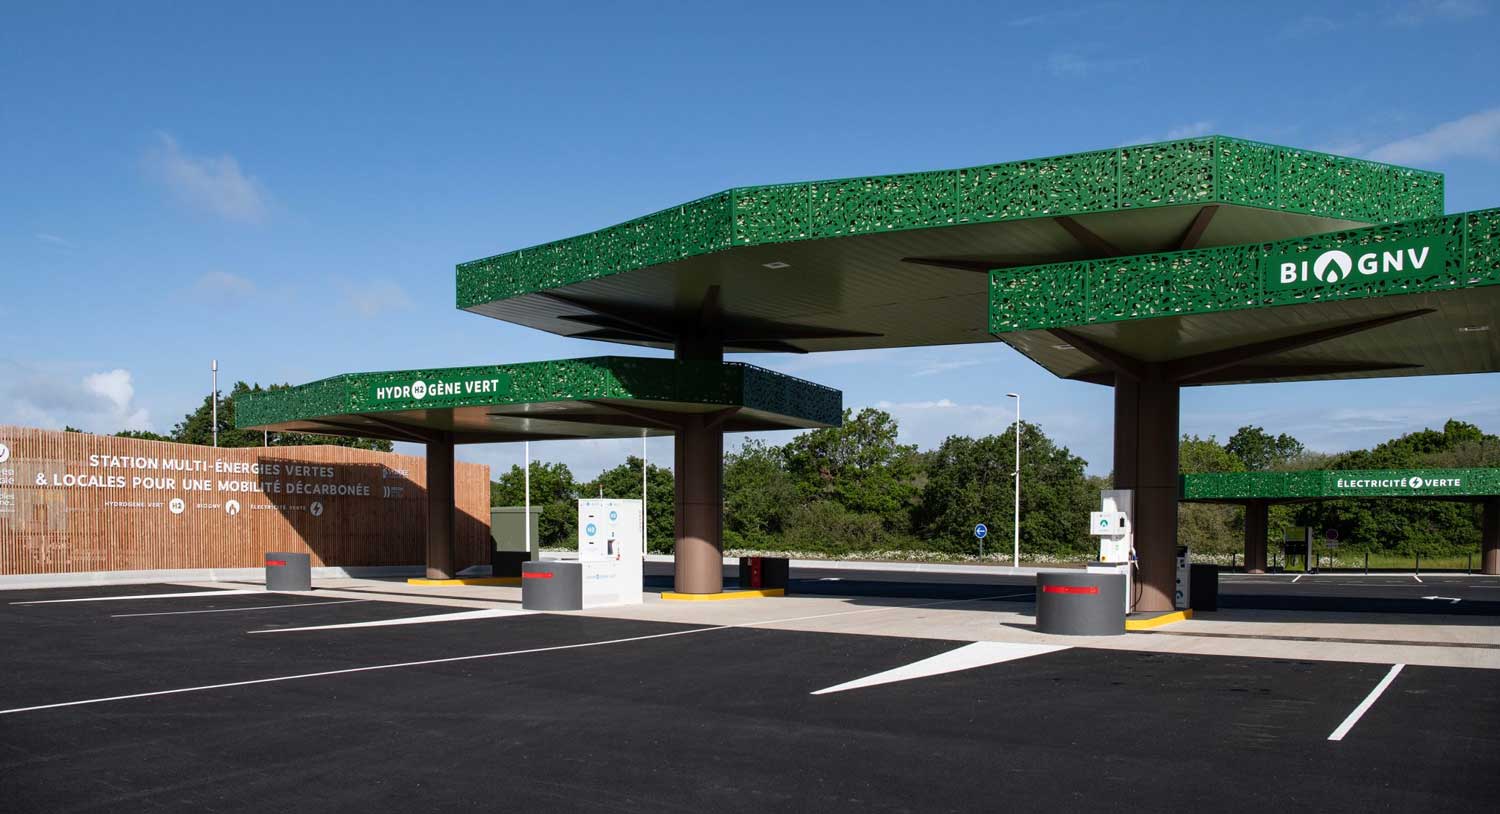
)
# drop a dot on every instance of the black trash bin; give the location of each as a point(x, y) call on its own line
point(1203, 586)
point(764, 572)
point(286, 571)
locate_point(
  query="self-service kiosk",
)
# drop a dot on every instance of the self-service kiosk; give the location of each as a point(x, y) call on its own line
point(608, 570)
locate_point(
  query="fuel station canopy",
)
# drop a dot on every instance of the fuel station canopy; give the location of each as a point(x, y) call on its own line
point(599, 397)
point(902, 260)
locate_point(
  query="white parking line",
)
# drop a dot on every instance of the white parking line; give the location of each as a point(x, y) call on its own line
point(142, 596)
point(1299, 576)
point(237, 610)
point(479, 656)
point(1415, 577)
point(1364, 706)
point(461, 616)
point(275, 679)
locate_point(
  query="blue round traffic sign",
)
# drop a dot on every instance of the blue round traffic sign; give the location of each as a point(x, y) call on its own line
point(591, 529)
point(981, 530)
point(614, 515)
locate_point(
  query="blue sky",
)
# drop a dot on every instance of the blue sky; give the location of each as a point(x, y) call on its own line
point(287, 187)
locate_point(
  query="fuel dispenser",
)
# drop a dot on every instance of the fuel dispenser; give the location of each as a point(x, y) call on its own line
point(1116, 532)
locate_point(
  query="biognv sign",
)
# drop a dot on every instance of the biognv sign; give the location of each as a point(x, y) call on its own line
point(1336, 267)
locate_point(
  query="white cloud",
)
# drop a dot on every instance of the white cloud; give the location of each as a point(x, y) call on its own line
point(1193, 130)
point(1190, 130)
point(47, 237)
point(1421, 11)
point(928, 423)
point(99, 402)
point(1310, 26)
point(1075, 65)
point(944, 366)
point(1064, 15)
point(1338, 428)
point(223, 282)
point(372, 298)
point(212, 183)
point(1474, 136)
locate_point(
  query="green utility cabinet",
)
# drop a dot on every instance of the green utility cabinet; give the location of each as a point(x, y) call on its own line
point(509, 545)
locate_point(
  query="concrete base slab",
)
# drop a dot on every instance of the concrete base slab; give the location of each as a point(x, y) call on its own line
point(1009, 616)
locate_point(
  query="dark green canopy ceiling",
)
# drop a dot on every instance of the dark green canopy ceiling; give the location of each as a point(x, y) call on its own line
point(1414, 298)
point(900, 260)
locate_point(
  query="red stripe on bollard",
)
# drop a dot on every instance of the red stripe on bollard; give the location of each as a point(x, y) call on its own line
point(1070, 589)
point(535, 575)
point(275, 562)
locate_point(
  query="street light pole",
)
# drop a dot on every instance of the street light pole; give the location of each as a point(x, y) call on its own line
point(526, 509)
point(643, 494)
point(1017, 476)
point(215, 367)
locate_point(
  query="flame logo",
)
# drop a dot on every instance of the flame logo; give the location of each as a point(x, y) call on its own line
point(1342, 262)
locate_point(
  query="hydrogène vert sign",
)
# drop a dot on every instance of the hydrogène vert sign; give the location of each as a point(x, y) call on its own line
point(1333, 268)
point(438, 390)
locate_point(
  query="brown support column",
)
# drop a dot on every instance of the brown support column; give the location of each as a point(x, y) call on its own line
point(1489, 540)
point(1257, 518)
point(1146, 439)
point(699, 465)
point(441, 506)
point(698, 459)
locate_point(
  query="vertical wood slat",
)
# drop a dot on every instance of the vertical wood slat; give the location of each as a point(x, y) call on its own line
point(58, 529)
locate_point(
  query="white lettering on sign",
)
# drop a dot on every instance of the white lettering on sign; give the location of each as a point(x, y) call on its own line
point(419, 390)
point(1400, 483)
point(1336, 264)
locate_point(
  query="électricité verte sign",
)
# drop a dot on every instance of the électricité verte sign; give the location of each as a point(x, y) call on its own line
point(1386, 486)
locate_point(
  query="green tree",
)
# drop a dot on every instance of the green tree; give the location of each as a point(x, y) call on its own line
point(859, 465)
point(1199, 455)
point(554, 490)
point(758, 496)
point(1209, 527)
point(197, 427)
point(143, 435)
point(624, 482)
point(1402, 526)
point(969, 481)
point(1261, 451)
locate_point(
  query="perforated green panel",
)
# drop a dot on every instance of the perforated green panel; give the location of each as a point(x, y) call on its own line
point(1240, 486)
point(1466, 255)
point(604, 377)
point(1195, 171)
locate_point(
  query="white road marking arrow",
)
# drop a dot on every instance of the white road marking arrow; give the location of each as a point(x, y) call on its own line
point(968, 657)
point(1453, 600)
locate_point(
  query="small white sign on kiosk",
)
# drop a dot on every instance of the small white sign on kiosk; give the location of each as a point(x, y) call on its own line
point(609, 551)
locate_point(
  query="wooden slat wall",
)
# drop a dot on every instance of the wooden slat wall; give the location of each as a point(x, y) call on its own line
point(58, 528)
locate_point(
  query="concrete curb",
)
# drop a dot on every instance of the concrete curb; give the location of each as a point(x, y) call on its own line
point(916, 567)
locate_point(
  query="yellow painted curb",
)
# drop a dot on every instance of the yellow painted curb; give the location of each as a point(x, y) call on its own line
point(1158, 621)
point(750, 594)
point(465, 581)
